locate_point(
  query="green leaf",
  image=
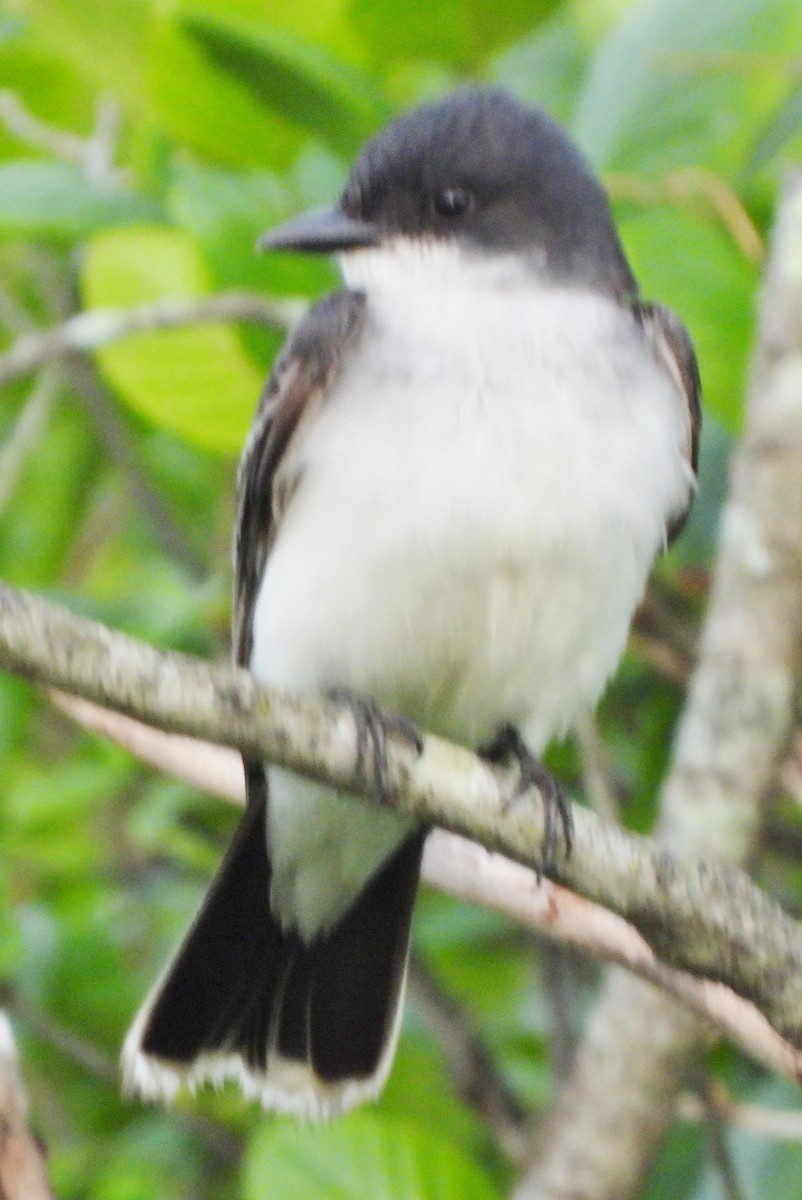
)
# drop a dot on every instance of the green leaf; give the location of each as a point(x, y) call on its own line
point(209, 110)
point(197, 381)
point(548, 67)
point(50, 199)
point(226, 211)
point(293, 78)
point(362, 1157)
point(679, 82)
point(679, 1165)
point(420, 1089)
point(325, 22)
point(785, 127)
point(695, 268)
point(104, 41)
point(462, 33)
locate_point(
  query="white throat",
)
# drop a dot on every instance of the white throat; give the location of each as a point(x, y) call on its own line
point(426, 263)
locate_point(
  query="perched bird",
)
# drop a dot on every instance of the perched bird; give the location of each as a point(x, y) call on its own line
point(459, 475)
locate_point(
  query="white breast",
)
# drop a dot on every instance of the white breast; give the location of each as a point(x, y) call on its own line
point(480, 502)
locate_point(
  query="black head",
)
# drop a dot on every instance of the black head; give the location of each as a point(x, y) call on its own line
point(479, 167)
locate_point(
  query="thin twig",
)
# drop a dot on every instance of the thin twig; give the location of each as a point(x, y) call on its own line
point(101, 148)
point(26, 435)
point(558, 984)
point(689, 186)
point(13, 316)
point(771, 1124)
point(597, 772)
point(70, 1045)
point(470, 1064)
point(114, 434)
point(731, 62)
point(92, 392)
point(94, 155)
point(22, 124)
point(88, 331)
point(715, 1123)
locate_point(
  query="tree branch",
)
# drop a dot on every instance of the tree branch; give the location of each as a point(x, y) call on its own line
point(464, 869)
point(467, 871)
point(698, 916)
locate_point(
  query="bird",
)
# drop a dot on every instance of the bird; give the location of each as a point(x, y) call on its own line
point(463, 465)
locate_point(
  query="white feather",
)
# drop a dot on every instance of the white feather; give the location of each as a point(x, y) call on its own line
point(479, 503)
point(286, 1086)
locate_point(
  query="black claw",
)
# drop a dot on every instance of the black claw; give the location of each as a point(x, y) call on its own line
point(397, 723)
point(508, 743)
point(373, 724)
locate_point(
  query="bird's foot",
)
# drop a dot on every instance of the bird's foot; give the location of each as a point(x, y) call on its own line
point(373, 725)
point(508, 744)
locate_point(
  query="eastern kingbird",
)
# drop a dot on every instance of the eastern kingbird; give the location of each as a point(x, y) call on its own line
point(460, 472)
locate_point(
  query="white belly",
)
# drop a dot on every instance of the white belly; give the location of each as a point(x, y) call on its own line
point(467, 545)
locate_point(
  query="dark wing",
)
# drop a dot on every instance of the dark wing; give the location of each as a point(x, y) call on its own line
point(673, 349)
point(299, 382)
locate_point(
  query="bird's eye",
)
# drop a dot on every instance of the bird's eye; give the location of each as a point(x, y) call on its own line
point(452, 202)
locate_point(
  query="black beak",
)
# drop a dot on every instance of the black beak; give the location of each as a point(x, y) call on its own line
point(322, 232)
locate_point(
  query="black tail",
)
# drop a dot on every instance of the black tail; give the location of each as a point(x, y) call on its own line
point(306, 1028)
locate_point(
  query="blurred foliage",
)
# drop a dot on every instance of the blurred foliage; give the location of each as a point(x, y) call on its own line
point(231, 115)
